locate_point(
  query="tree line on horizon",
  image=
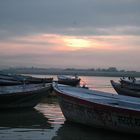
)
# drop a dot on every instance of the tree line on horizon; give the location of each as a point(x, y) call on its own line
point(110, 69)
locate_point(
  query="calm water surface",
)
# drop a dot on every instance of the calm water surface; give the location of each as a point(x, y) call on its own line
point(46, 121)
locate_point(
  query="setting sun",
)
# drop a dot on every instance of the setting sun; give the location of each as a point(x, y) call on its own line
point(77, 43)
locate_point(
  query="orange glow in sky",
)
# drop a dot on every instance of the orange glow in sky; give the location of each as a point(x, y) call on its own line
point(40, 43)
point(75, 43)
point(56, 50)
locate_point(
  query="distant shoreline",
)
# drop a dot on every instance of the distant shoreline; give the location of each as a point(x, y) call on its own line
point(73, 72)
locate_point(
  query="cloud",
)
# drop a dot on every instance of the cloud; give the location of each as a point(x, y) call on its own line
point(68, 17)
point(48, 50)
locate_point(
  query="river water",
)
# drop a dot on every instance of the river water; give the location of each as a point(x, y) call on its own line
point(46, 121)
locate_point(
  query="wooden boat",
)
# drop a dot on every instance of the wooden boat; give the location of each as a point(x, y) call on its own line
point(23, 96)
point(123, 90)
point(7, 76)
point(99, 109)
point(14, 79)
point(4, 82)
point(68, 80)
point(130, 83)
point(35, 80)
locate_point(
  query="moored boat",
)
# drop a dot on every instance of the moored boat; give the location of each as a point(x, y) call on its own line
point(23, 96)
point(15, 79)
point(99, 109)
point(130, 83)
point(123, 90)
point(68, 80)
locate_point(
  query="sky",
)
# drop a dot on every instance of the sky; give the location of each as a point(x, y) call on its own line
point(70, 34)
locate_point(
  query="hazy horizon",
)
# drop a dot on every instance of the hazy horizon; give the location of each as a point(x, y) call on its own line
point(66, 68)
point(75, 34)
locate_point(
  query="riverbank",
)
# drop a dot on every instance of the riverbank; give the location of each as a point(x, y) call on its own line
point(80, 72)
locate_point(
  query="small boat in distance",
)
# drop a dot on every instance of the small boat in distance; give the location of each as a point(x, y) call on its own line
point(123, 90)
point(99, 109)
point(69, 80)
point(130, 83)
point(23, 96)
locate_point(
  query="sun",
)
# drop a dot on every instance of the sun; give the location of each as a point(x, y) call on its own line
point(77, 43)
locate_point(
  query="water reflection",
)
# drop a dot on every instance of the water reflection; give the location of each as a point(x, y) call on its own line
point(99, 83)
point(73, 131)
point(23, 119)
point(49, 107)
point(24, 124)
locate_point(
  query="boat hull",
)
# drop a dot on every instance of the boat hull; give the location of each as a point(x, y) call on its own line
point(25, 99)
point(129, 84)
point(124, 90)
point(71, 82)
point(8, 80)
point(98, 115)
point(39, 80)
point(4, 82)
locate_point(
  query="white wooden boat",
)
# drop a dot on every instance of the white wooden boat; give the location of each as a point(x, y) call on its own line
point(23, 96)
point(99, 109)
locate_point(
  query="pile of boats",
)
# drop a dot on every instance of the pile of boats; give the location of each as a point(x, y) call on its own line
point(19, 91)
point(81, 105)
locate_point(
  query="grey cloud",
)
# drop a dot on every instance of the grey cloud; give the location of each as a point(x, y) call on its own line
point(57, 16)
